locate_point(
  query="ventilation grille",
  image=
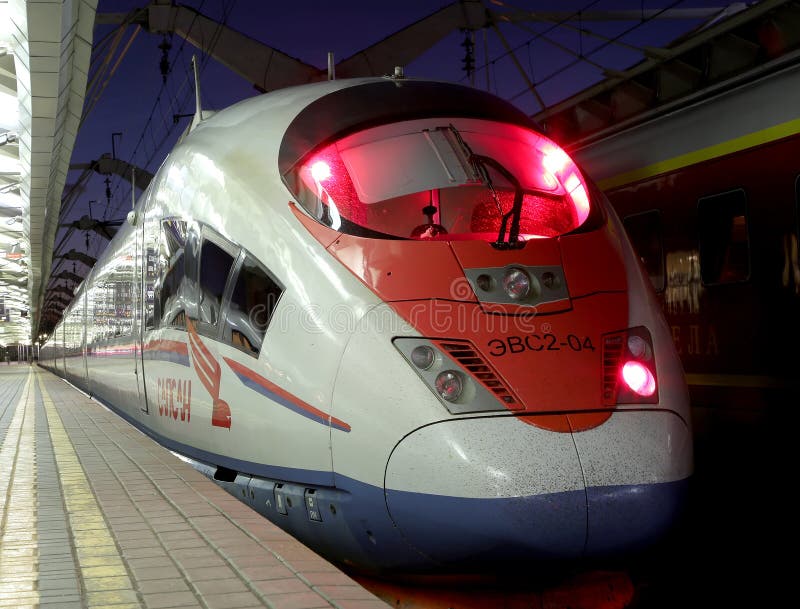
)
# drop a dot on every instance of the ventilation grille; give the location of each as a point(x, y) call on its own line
point(612, 353)
point(465, 354)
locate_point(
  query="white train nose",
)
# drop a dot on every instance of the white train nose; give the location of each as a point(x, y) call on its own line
point(486, 489)
point(498, 488)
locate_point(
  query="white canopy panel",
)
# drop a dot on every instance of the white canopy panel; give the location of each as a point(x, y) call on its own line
point(45, 52)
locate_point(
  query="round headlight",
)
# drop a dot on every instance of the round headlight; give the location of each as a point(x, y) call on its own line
point(639, 347)
point(485, 282)
point(449, 385)
point(516, 283)
point(423, 357)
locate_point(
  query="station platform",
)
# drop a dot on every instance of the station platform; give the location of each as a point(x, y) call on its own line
point(93, 513)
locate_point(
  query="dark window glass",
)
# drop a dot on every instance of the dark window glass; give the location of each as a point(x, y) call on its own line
point(254, 298)
point(215, 265)
point(170, 296)
point(172, 286)
point(422, 181)
point(150, 281)
point(644, 231)
point(120, 296)
point(724, 242)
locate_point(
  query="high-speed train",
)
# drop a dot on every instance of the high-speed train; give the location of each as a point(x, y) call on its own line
point(399, 322)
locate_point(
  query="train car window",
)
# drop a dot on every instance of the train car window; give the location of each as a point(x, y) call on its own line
point(151, 230)
point(102, 306)
point(172, 284)
point(216, 260)
point(645, 233)
point(150, 276)
point(99, 312)
point(255, 296)
point(119, 292)
point(723, 236)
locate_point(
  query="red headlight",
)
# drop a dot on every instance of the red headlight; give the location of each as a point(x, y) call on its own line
point(639, 379)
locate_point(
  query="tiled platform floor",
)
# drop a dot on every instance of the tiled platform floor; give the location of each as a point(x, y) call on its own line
point(93, 513)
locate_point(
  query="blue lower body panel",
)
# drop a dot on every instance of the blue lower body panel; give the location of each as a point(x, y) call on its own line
point(632, 517)
point(464, 530)
point(456, 530)
point(359, 525)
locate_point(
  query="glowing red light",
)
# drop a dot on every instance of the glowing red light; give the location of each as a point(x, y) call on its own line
point(580, 199)
point(559, 167)
point(320, 171)
point(639, 378)
point(555, 160)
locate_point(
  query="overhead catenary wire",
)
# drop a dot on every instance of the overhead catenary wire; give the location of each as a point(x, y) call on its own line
point(175, 97)
point(580, 55)
point(114, 40)
point(184, 92)
point(100, 68)
point(97, 90)
point(600, 47)
point(110, 44)
point(555, 25)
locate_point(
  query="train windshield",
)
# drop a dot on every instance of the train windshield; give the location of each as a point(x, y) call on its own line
point(440, 179)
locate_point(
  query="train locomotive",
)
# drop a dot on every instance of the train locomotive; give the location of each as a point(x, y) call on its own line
point(399, 322)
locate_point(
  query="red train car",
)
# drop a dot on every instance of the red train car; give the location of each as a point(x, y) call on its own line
point(709, 194)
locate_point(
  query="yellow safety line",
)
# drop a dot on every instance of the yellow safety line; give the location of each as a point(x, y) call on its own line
point(105, 579)
point(770, 134)
point(19, 546)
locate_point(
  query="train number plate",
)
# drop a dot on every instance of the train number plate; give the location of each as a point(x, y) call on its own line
point(545, 342)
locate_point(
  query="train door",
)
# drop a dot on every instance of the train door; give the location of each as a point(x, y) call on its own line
point(84, 336)
point(790, 279)
point(62, 348)
point(792, 288)
point(136, 291)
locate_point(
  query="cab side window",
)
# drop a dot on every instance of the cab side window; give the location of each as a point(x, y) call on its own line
point(645, 233)
point(255, 296)
point(172, 285)
point(723, 236)
point(216, 260)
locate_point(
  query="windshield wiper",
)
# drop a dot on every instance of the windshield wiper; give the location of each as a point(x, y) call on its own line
point(479, 164)
point(514, 214)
